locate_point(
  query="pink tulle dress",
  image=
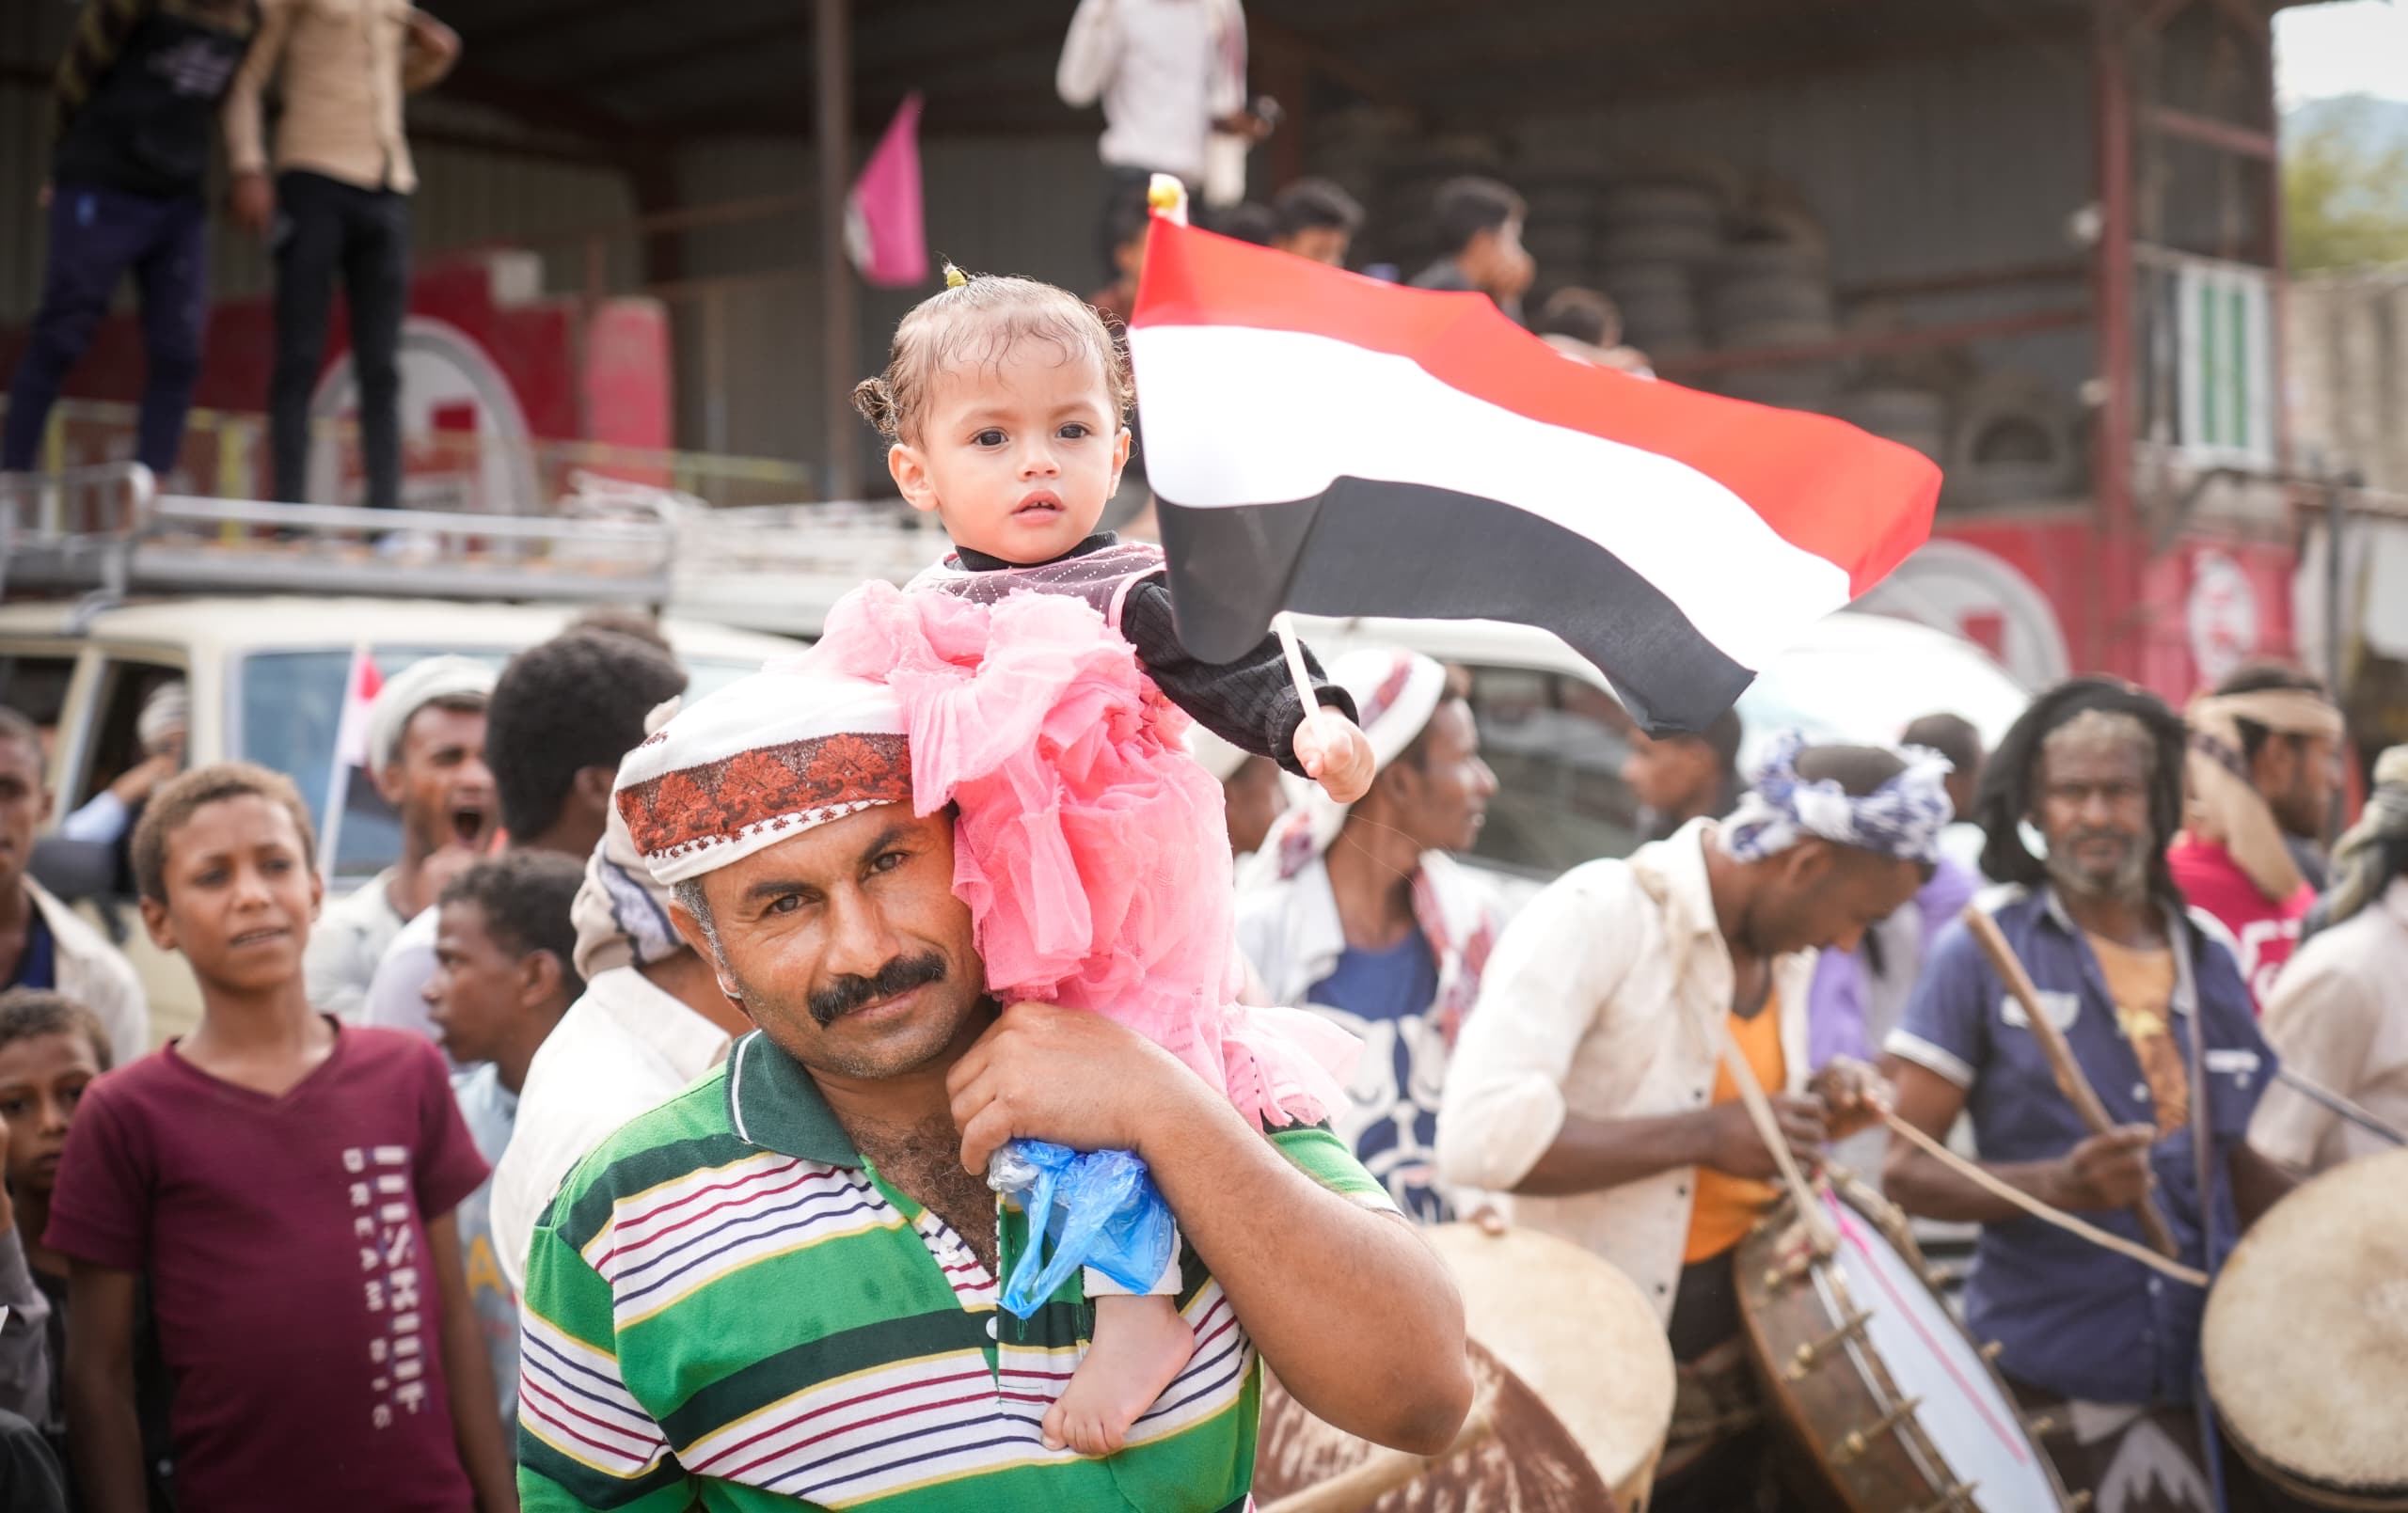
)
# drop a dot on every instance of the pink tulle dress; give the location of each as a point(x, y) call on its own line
point(1090, 847)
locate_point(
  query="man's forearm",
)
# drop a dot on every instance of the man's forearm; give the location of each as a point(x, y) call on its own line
point(1927, 1189)
point(1591, 1154)
point(1360, 1321)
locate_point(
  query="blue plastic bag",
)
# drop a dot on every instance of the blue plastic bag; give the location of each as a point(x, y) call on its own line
point(1101, 1207)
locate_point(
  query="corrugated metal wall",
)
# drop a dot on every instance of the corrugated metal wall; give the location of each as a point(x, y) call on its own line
point(1934, 166)
point(1024, 205)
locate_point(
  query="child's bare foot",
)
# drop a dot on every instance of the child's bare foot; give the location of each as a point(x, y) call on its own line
point(1140, 1344)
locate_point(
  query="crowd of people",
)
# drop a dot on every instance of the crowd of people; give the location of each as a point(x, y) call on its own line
point(349, 1242)
point(627, 1143)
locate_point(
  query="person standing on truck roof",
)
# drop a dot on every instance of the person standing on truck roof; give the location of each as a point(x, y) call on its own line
point(426, 749)
point(130, 108)
point(42, 943)
point(340, 203)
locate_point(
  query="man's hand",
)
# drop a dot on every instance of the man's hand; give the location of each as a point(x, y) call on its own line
point(2109, 1170)
point(136, 782)
point(1068, 1076)
point(428, 52)
point(1735, 1149)
point(1853, 1095)
point(1336, 754)
point(251, 202)
point(1252, 125)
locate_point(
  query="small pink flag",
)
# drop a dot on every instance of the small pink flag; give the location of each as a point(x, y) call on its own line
point(884, 231)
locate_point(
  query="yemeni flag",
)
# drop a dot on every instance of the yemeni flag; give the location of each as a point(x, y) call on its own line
point(1323, 442)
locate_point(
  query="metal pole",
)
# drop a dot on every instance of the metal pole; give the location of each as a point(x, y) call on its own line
point(2334, 619)
point(2118, 575)
point(832, 59)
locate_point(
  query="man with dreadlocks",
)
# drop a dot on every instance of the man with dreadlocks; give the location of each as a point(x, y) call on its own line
point(2155, 1012)
point(1593, 1080)
point(2337, 1013)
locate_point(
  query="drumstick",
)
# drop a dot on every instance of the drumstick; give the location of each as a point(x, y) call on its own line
point(2071, 1081)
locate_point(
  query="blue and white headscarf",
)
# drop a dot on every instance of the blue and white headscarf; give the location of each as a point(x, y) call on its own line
point(1901, 818)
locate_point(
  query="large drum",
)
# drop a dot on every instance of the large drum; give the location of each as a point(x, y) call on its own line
point(2305, 1342)
point(1872, 1379)
point(1578, 1370)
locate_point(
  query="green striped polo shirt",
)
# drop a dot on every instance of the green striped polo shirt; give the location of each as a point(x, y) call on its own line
point(727, 1304)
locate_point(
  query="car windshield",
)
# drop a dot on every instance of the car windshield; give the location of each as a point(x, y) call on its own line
point(289, 705)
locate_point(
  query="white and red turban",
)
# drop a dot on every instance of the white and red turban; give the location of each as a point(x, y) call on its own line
point(761, 760)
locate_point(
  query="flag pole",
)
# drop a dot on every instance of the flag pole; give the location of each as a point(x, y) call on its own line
point(1306, 694)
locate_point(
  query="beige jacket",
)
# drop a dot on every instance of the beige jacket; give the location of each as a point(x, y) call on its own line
point(93, 973)
point(343, 67)
point(1605, 998)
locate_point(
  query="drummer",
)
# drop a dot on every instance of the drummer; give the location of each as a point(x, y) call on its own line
point(1586, 1081)
point(2158, 1018)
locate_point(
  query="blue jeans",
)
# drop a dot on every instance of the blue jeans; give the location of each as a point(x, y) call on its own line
point(96, 235)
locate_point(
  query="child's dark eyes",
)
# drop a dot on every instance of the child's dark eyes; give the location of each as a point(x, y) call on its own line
point(988, 437)
point(1076, 431)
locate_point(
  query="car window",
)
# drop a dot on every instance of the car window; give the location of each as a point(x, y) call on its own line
point(1557, 748)
point(125, 684)
point(35, 685)
point(290, 705)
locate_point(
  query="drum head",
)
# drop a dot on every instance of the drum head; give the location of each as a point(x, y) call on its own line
point(2305, 1342)
point(1571, 1324)
point(1965, 1414)
point(1529, 1464)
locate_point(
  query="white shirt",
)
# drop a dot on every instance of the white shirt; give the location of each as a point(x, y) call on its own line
point(1153, 64)
point(347, 943)
point(2338, 1014)
point(622, 1049)
point(85, 968)
point(396, 995)
point(1605, 999)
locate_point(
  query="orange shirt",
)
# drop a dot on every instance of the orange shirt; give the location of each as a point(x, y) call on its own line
point(1728, 1206)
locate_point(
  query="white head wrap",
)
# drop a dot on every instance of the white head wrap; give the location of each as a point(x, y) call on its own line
point(412, 689)
point(167, 709)
point(1902, 818)
point(620, 914)
point(759, 762)
point(1396, 692)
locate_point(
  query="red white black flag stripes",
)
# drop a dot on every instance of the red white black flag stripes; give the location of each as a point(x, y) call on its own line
point(1325, 443)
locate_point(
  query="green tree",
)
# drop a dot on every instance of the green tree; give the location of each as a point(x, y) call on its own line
point(2345, 191)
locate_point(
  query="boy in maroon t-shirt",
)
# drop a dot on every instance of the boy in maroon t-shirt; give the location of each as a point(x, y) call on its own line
point(287, 1184)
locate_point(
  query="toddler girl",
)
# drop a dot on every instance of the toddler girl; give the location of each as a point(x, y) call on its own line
point(1039, 668)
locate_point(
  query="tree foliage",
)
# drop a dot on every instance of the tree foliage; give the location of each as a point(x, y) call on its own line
point(2344, 190)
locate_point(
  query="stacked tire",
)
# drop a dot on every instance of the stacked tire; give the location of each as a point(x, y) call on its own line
point(1653, 241)
point(1772, 294)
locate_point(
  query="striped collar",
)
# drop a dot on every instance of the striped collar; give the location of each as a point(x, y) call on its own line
point(773, 1102)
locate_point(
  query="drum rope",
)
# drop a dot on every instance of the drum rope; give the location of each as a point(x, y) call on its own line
point(2045, 1213)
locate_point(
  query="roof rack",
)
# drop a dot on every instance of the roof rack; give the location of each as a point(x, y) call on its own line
point(106, 532)
point(109, 531)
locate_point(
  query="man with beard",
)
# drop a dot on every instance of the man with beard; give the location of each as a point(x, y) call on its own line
point(782, 1284)
point(1358, 913)
point(2264, 765)
point(2154, 1009)
point(426, 753)
point(1596, 1078)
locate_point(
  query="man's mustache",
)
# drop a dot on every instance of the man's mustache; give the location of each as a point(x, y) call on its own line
point(846, 994)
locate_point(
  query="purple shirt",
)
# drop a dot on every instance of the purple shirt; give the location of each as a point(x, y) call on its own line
point(285, 1240)
point(1837, 1004)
